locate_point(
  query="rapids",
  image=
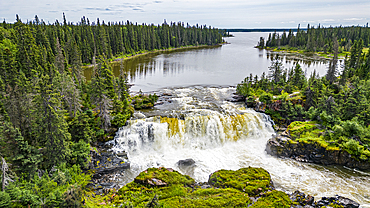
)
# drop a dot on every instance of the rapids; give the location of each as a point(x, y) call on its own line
point(198, 123)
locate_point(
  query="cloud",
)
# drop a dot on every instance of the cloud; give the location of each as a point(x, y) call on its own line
point(327, 20)
point(353, 19)
point(157, 2)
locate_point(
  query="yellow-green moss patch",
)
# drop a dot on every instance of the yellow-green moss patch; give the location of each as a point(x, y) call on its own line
point(273, 199)
point(249, 180)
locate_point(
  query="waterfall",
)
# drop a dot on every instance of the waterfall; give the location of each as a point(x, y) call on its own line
point(199, 124)
point(198, 129)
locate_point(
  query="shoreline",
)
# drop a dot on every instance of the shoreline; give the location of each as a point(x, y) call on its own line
point(327, 56)
point(132, 56)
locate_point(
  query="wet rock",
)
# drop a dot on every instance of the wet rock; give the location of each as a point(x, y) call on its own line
point(107, 169)
point(122, 154)
point(166, 94)
point(187, 162)
point(337, 200)
point(206, 186)
point(347, 203)
point(284, 147)
point(301, 198)
point(236, 98)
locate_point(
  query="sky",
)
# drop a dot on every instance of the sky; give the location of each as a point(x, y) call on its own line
point(216, 13)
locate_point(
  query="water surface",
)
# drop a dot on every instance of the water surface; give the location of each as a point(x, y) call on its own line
point(227, 65)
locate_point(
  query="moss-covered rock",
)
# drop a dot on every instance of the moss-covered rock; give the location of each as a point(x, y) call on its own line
point(249, 180)
point(305, 141)
point(246, 187)
point(169, 188)
point(228, 189)
point(167, 176)
point(273, 199)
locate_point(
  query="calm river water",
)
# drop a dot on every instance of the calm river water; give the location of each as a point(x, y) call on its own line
point(226, 65)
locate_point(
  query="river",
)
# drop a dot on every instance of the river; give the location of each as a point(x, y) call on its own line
point(197, 122)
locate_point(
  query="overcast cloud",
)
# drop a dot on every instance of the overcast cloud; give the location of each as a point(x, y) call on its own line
point(218, 13)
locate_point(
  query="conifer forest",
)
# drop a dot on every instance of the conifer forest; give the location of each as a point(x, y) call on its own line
point(51, 116)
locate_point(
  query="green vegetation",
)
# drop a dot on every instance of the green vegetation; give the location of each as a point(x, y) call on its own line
point(325, 41)
point(50, 116)
point(274, 199)
point(249, 180)
point(336, 105)
point(142, 101)
point(167, 188)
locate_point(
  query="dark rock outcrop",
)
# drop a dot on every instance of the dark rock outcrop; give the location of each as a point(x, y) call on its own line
point(187, 162)
point(107, 166)
point(104, 162)
point(337, 200)
point(301, 200)
point(313, 152)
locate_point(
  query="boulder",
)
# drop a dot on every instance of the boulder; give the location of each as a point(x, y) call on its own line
point(187, 162)
point(338, 200)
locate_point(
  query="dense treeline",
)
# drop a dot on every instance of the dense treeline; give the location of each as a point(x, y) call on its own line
point(50, 115)
point(91, 39)
point(318, 39)
point(339, 101)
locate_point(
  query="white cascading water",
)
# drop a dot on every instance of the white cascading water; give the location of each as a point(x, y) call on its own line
point(218, 134)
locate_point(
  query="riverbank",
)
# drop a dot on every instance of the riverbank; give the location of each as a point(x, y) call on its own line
point(321, 54)
point(309, 141)
point(145, 52)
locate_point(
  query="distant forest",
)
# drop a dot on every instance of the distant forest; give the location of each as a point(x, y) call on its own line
point(260, 30)
point(51, 116)
point(319, 39)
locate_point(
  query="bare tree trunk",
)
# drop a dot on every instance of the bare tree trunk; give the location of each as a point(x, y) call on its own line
point(4, 168)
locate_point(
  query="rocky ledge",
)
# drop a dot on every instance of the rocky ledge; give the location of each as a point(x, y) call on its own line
point(106, 167)
point(313, 152)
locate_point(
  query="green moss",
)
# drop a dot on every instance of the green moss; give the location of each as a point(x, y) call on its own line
point(332, 205)
point(297, 128)
point(179, 191)
point(232, 189)
point(249, 180)
point(273, 199)
point(168, 176)
point(210, 198)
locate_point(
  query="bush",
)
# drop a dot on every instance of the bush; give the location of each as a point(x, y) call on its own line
point(353, 147)
point(266, 98)
point(80, 153)
point(4, 199)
